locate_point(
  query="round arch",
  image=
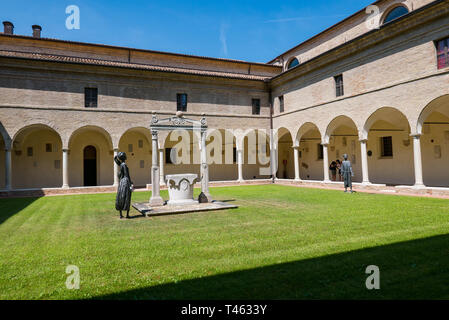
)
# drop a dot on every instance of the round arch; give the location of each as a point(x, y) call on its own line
point(433, 128)
point(440, 104)
point(102, 141)
point(93, 128)
point(285, 154)
point(394, 12)
point(337, 122)
point(291, 63)
point(136, 143)
point(36, 157)
point(394, 115)
point(309, 139)
point(389, 147)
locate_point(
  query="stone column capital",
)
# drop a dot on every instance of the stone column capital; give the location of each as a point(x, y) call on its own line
point(364, 140)
point(416, 135)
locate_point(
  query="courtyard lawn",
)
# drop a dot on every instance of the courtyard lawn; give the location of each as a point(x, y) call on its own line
point(282, 243)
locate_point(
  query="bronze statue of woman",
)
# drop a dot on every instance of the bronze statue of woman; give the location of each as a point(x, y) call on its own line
point(125, 187)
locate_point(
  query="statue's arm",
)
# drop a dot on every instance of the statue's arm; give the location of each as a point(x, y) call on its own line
point(117, 161)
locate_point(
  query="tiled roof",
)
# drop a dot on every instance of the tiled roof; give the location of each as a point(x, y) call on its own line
point(107, 63)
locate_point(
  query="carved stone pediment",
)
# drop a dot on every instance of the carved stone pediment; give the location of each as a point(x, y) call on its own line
point(178, 122)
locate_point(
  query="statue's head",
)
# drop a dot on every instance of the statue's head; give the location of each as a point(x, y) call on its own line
point(121, 156)
point(345, 156)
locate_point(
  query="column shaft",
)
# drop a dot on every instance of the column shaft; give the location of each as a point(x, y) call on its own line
point(205, 168)
point(326, 163)
point(296, 159)
point(8, 170)
point(365, 173)
point(65, 168)
point(418, 161)
point(115, 169)
point(240, 164)
point(161, 166)
point(156, 199)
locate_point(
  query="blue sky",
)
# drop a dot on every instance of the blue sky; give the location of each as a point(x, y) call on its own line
point(255, 31)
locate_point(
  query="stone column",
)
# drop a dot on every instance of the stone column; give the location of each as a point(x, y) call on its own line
point(365, 174)
point(156, 199)
point(161, 166)
point(115, 169)
point(8, 169)
point(240, 164)
point(418, 161)
point(65, 168)
point(296, 159)
point(326, 162)
point(205, 168)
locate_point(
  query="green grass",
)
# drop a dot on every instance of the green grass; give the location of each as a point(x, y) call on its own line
point(282, 243)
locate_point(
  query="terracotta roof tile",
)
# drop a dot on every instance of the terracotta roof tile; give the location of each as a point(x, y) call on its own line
point(107, 63)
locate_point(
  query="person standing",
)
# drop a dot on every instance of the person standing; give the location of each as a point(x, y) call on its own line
point(346, 170)
point(339, 170)
point(333, 169)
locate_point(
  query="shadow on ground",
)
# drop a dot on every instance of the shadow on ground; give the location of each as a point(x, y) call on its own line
point(417, 269)
point(12, 206)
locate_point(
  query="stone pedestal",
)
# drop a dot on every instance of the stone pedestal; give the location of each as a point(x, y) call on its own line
point(180, 188)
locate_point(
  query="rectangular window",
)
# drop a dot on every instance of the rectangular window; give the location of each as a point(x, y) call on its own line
point(140, 144)
point(48, 147)
point(181, 99)
point(281, 104)
point(142, 164)
point(90, 97)
point(339, 85)
point(256, 106)
point(130, 148)
point(30, 151)
point(320, 152)
point(386, 144)
point(234, 155)
point(442, 53)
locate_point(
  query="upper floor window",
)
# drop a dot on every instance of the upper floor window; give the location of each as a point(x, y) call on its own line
point(396, 13)
point(339, 85)
point(256, 106)
point(90, 97)
point(293, 63)
point(281, 104)
point(443, 53)
point(181, 99)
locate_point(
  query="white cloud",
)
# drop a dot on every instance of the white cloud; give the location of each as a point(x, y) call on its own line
point(224, 43)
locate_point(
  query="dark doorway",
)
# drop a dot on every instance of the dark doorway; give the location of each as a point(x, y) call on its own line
point(90, 166)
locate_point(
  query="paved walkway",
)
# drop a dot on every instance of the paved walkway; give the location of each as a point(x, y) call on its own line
point(430, 192)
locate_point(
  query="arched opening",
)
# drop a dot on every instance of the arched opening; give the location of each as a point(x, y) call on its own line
point(395, 13)
point(136, 143)
point(222, 155)
point(292, 63)
point(181, 153)
point(286, 165)
point(256, 155)
point(36, 158)
point(343, 138)
point(389, 148)
point(90, 166)
point(310, 152)
point(434, 126)
point(101, 140)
